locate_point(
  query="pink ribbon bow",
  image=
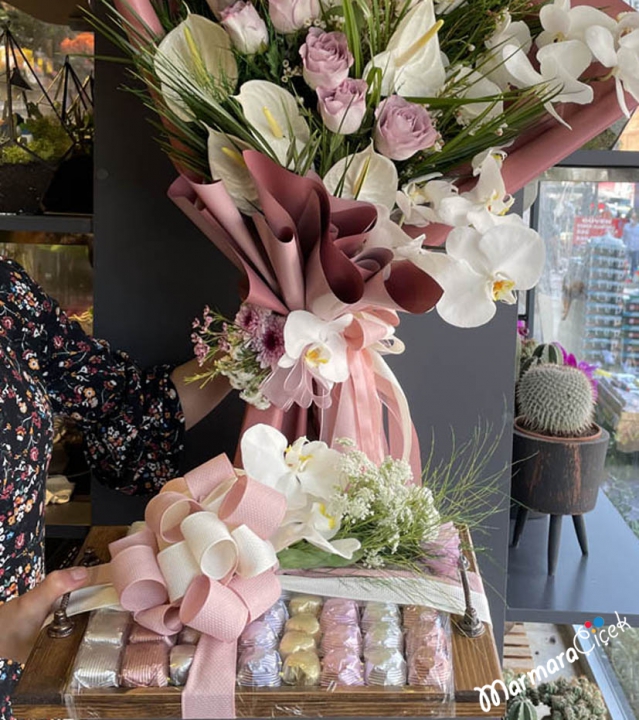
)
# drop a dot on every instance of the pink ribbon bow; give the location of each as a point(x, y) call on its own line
point(214, 572)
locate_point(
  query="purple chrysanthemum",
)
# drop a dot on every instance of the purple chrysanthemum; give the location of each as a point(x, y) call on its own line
point(270, 346)
point(251, 319)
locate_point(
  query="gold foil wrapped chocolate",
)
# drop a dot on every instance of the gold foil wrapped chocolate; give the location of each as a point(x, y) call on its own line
point(97, 665)
point(294, 641)
point(180, 662)
point(304, 622)
point(302, 604)
point(145, 665)
point(302, 669)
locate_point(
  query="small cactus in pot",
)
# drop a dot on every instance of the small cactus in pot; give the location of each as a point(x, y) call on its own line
point(556, 400)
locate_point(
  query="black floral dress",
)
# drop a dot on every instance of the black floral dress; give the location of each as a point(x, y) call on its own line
point(131, 420)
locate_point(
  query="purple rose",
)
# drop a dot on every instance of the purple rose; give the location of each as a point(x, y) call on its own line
point(326, 58)
point(289, 16)
point(246, 28)
point(403, 128)
point(343, 108)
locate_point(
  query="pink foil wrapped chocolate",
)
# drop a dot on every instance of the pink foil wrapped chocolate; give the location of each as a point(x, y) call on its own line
point(339, 611)
point(258, 634)
point(140, 634)
point(385, 667)
point(428, 667)
point(342, 667)
point(346, 637)
point(414, 613)
point(145, 665)
point(258, 667)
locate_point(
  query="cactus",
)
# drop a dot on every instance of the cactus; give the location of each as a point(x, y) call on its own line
point(521, 708)
point(556, 400)
point(544, 354)
point(575, 699)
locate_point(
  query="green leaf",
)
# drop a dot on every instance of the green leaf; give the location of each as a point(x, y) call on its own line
point(352, 34)
point(304, 556)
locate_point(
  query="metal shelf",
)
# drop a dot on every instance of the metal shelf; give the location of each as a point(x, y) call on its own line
point(67, 224)
point(602, 583)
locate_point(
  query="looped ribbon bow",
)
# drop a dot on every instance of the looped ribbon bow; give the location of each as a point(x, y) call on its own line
point(357, 409)
point(204, 560)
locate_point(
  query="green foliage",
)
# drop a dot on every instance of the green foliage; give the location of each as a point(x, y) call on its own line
point(305, 556)
point(575, 699)
point(542, 354)
point(50, 142)
point(556, 400)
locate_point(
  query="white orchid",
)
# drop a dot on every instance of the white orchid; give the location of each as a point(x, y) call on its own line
point(472, 85)
point(560, 67)
point(479, 270)
point(412, 63)
point(388, 234)
point(196, 53)
point(227, 164)
point(562, 22)
point(507, 32)
point(366, 176)
point(419, 201)
point(485, 202)
point(302, 472)
point(275, 116)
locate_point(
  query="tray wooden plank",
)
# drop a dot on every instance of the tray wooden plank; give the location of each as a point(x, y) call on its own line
point(42, 689)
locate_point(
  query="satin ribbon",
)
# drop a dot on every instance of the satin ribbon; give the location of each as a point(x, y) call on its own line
point(203, 560)
point(357, 410)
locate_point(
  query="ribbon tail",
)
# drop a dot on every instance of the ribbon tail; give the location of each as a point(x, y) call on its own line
point(210, 689)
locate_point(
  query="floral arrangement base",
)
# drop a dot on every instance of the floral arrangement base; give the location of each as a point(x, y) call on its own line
point(43, 691)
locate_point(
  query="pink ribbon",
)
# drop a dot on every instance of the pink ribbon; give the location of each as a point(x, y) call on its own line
point(219, 609)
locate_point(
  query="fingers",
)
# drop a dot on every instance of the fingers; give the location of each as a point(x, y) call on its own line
point(55, 585)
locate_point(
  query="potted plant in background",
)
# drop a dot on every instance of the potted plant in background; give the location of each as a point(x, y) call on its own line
point(558, 450)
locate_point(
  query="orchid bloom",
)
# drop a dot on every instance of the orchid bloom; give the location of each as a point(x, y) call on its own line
point(274, 115)
point(412, 63)
point(388, 234)
point(487, 201)
point(366, 176)
point(560, 67)
point(198, 51)
point(227, 164)
point(479, 270)
point(301, 472)
point(420, 199)
point(561, 22)
point(507, 32)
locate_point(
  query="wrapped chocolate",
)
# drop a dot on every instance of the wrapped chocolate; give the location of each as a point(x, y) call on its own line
point(299, 604)
point(425, 632)
point(145, 665)
point(341, 667)
point(97, 665)
point(276, 617)
point(385, 667)
point(293, 641)
point(375, 612)
point(188, 636)
point(108, 626)
point(180, 662)
point(346, 637)
point(339, 611)
point(258, 667)
point(302, 668)
point(430, 667)
point(384, 635)
point(414, 613)
point(304, 622)
point(140, 634)
point(258, 634)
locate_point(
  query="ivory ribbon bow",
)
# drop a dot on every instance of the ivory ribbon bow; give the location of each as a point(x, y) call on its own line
point(203, 560)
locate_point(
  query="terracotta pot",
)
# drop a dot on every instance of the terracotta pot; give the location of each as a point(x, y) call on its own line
point(558, 476)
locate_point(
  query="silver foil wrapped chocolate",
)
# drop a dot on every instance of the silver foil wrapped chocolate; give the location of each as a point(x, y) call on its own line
point(97, 665)
point(180, 662)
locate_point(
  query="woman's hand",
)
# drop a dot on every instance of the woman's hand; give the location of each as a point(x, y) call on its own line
point(21, 619)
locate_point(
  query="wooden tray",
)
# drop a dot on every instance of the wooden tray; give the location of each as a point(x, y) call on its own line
point(43, 687)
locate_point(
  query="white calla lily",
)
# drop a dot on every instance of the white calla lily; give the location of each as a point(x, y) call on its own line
point(479, 270)
point(300, 471)
point(274, 114)
point(227, 164)
point(560, 67)
point(366, 176)
point(197, 52)
point(320, 344)
point(412, 63)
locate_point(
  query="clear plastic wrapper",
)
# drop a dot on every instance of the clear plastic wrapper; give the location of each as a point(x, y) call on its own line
point(302, 604)
point(342, 667)
point(258, 634)
point(347, 637)
point(180, 661)
point(145, 665)
point(340, 611)
point(386, 667)
point(429, 652)
point(302, 669)
point(258, 667)
point(384, 634)
point(108, 626)
point(375, 612)
point(277, 616)
point(97, 665)
point(304, 622)
point(293, 641)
